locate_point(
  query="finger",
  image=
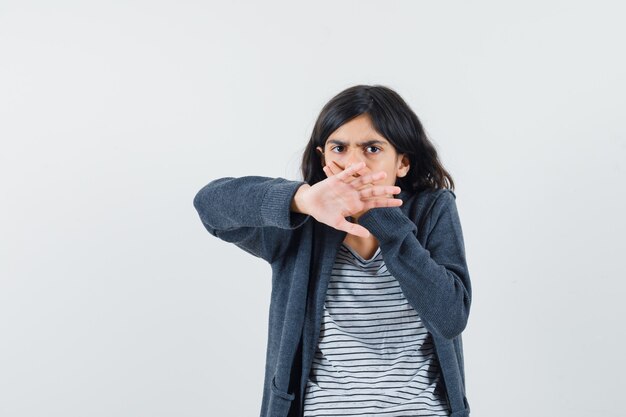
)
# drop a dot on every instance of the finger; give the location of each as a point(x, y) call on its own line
point(382, 202)
point(337, 169)
point(378, 190)
point(334, 166)
point(352, 228)
point(368, 179)
point(329, 173)
point(346, 174)
point(362, 172)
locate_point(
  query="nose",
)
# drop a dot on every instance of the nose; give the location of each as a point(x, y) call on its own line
point(353, 156)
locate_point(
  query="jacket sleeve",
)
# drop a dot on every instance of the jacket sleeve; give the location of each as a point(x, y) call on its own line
point(434, 279)
point(252, 212)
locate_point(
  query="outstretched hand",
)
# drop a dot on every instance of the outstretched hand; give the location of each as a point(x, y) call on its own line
point(334, 169)
point(342, 194)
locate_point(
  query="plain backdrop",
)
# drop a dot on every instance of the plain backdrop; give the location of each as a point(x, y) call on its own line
point(114, 299)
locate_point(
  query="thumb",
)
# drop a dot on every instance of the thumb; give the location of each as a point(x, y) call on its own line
point(352, 228)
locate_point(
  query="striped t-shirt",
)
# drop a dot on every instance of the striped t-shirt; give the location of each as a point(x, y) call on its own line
point(374, 356)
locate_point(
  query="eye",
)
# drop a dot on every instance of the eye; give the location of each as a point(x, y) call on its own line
point(371, 146)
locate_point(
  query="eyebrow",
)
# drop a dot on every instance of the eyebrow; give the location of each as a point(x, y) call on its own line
point(366, 143)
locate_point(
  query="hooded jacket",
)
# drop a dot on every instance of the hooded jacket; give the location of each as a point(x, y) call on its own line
point(422, 246)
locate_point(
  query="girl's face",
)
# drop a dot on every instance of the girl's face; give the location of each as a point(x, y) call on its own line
point(357, 141)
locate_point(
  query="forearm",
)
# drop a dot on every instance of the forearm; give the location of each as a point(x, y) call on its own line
point(434, 279)
point(252, 212)
point(435, 291)
point(250, 201)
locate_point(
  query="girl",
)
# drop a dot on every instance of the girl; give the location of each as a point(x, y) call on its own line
point(370, 285)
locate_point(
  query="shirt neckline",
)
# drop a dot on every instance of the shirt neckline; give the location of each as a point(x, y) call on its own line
point(359, 257)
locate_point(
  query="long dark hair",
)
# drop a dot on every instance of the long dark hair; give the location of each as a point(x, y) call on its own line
point(393, 119)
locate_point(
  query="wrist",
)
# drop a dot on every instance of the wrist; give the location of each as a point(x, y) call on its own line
point(297, 203)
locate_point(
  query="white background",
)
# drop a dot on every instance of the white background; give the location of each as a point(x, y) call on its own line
point(115, 301)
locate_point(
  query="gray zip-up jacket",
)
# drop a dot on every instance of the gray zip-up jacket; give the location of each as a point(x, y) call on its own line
point(422, 246)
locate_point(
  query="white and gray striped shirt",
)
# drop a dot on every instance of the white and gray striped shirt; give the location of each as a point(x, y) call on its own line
point(374, 356)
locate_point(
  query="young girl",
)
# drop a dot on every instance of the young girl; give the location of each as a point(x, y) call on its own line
point(370, 285)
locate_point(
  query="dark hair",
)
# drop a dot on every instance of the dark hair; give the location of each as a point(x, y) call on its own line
point(393, 119)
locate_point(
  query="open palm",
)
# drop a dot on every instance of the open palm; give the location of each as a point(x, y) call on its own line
point(340, 195)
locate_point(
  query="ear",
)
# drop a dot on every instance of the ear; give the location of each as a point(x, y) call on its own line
point(320, 151)
point(403, 166)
